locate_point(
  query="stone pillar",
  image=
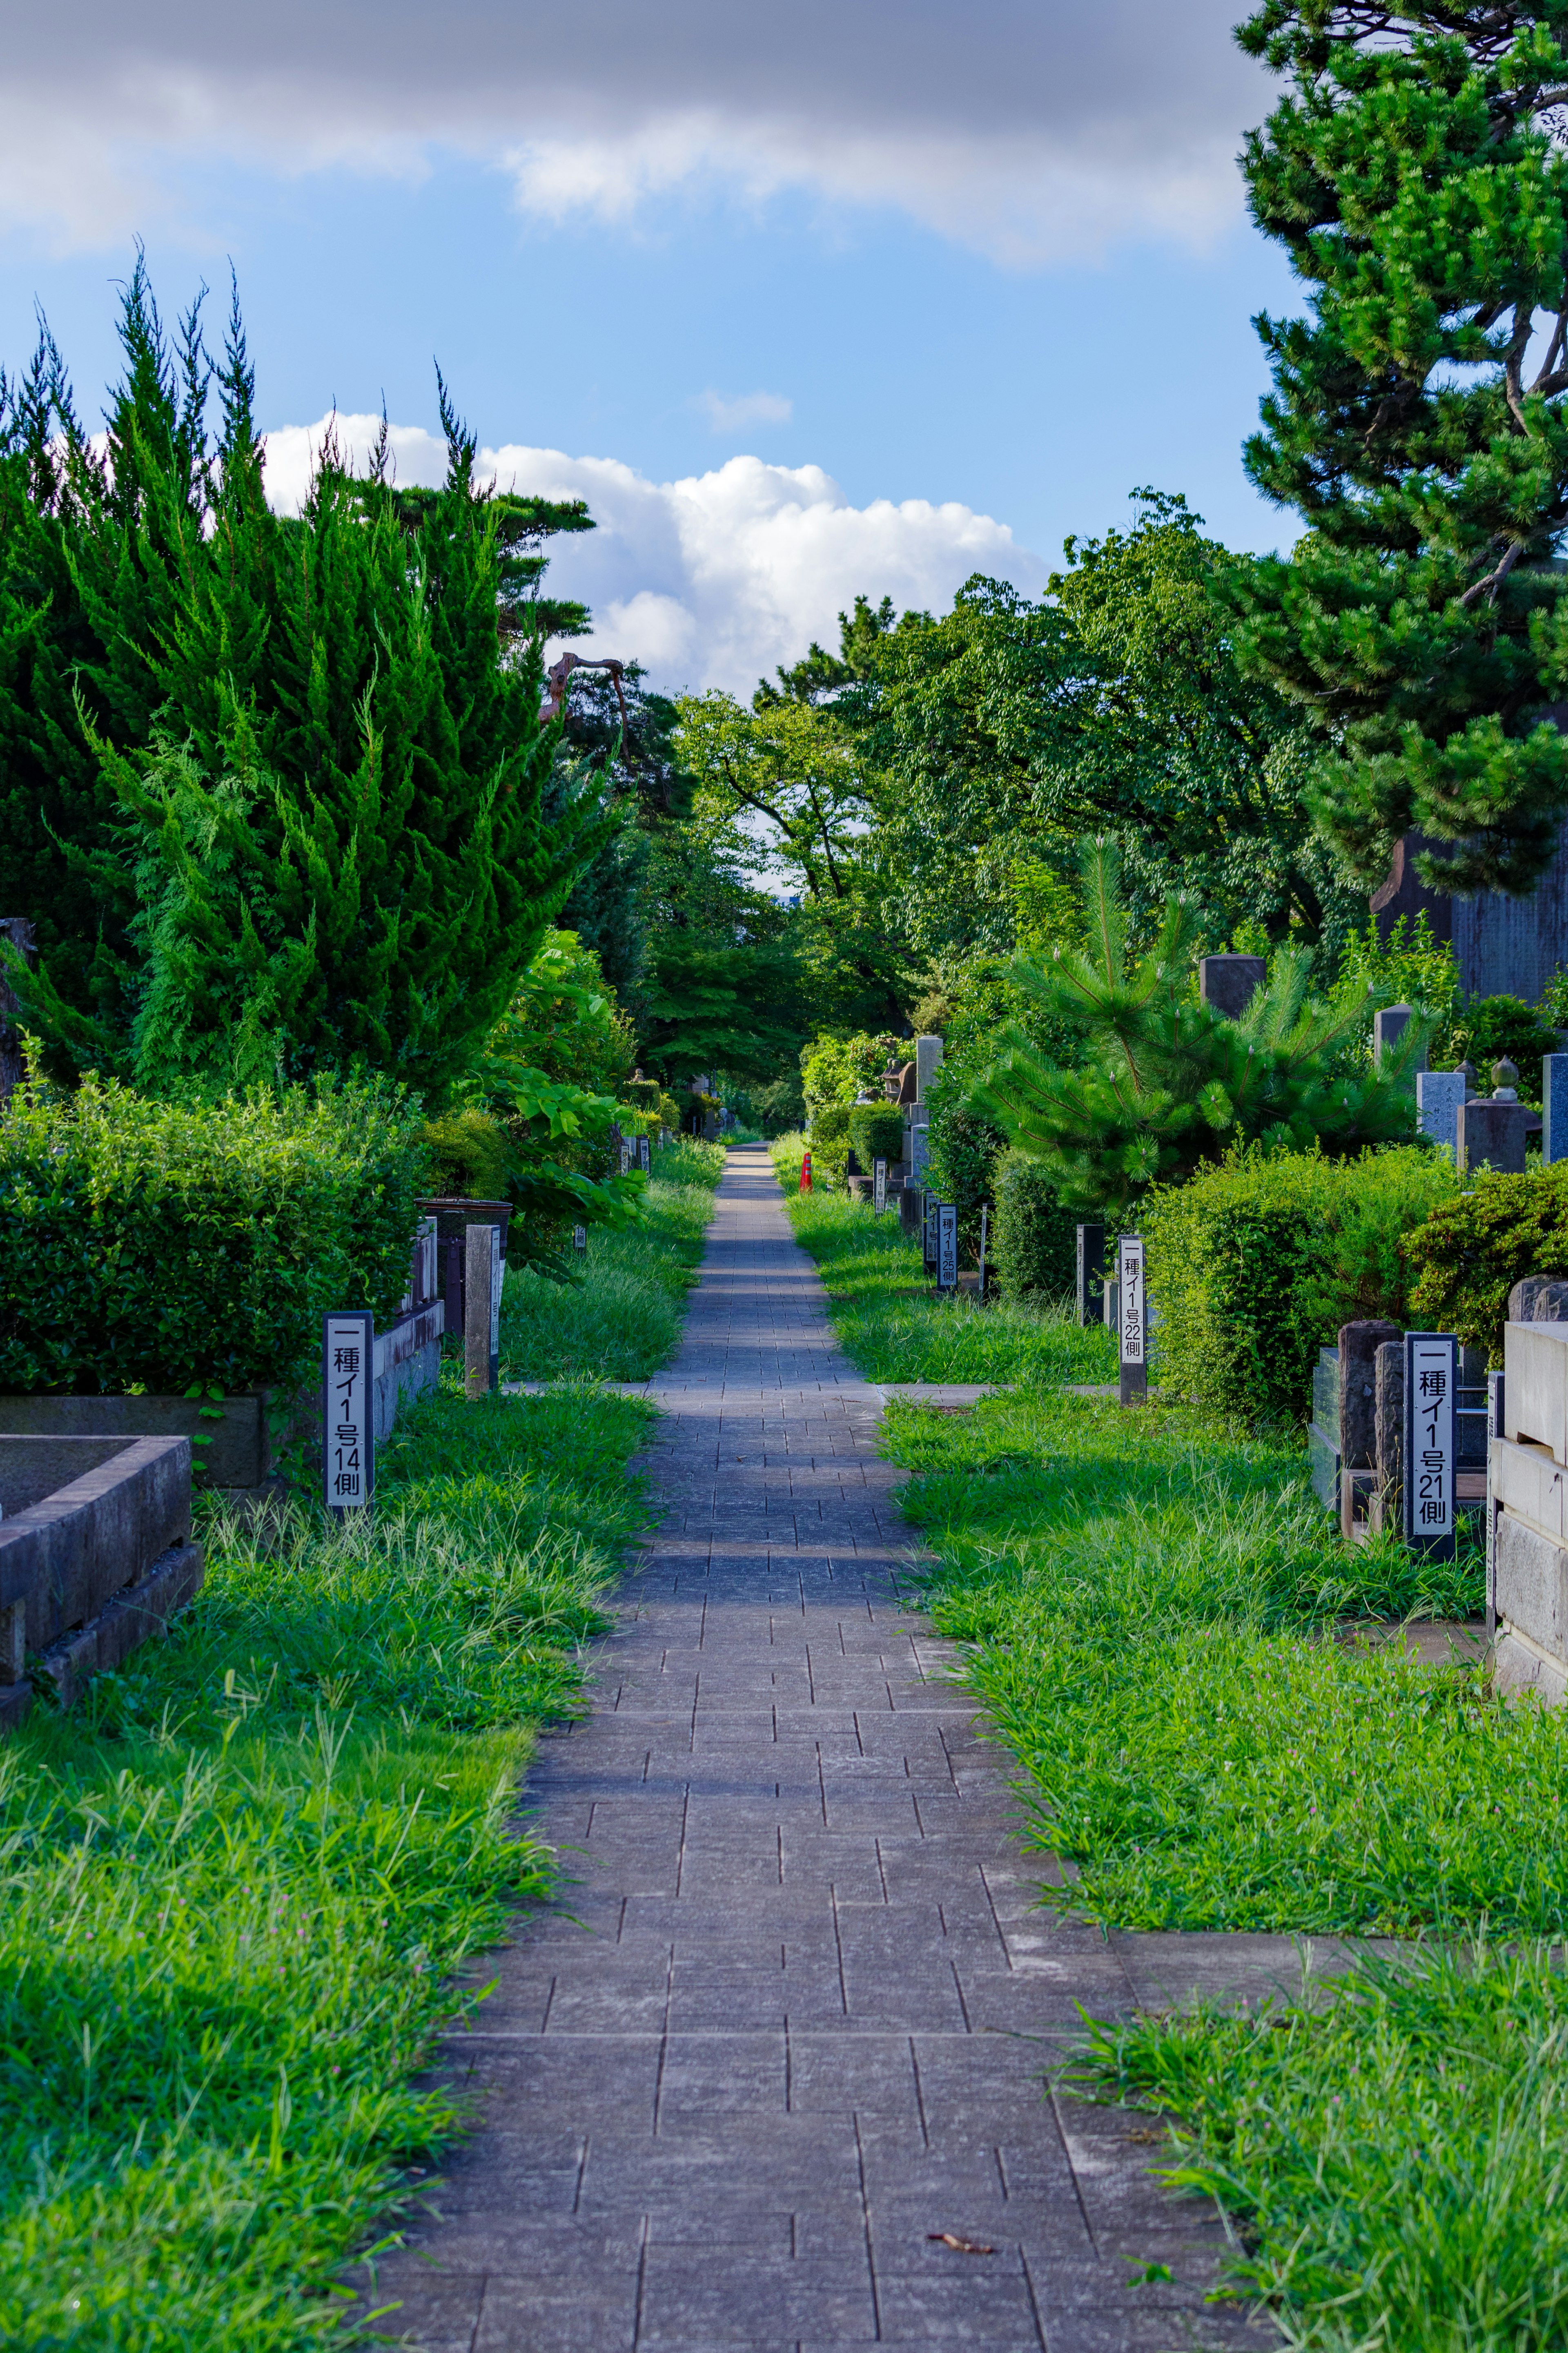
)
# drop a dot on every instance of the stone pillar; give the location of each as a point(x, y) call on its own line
point(1555, 1106)
point(1438, 1097)
point(481, 1308)
point(1358, 1344)
point(19, 932)
point(1229, 983)
point(1388, 1423)
point(928, 1063)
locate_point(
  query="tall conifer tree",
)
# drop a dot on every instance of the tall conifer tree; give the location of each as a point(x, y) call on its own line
point(1414, 174)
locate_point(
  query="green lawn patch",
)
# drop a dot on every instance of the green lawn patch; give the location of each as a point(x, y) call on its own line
point(618, 1318)
point(235, 1884)
point(895, 1327)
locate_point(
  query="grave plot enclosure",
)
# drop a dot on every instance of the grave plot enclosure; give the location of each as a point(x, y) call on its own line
point(95, 1555)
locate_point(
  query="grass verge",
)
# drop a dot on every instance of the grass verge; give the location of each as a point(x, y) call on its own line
point(1149, 1604)
point(619, 1318)
point(234, 1884)
point(895, 1327)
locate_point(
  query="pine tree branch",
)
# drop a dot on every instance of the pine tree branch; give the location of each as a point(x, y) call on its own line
point(1488, 586)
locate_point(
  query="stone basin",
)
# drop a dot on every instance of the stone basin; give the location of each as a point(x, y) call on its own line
point(95, 1555)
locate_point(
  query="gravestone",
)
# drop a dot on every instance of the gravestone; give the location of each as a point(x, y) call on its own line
point(1439, 1097)
point(1389, 1025)
point(579, 1240)
point(1132, 1307)
point(1090, 1274)
point(1491, 1135)
point(1229, 983)
point(348, 1447)
point(928, 1063)
point(1539, 1299)
point(1555, 1106)
point(1431, 1381)
point(946, 1246)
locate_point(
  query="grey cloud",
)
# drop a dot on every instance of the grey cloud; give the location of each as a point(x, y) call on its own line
point(1022, 129)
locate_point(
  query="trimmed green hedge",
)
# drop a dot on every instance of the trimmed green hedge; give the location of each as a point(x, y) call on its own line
point(830, 1142)
point(877, 1132)
point(1467, 1257)
point(1255, 1264)
point(158, 1246)
point(1035, 1239)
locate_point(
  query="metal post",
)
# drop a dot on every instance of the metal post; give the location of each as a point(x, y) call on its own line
point(1090, 1274)
point(984, 1222)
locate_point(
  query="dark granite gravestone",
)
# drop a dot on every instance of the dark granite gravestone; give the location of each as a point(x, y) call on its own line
point(1229, 983)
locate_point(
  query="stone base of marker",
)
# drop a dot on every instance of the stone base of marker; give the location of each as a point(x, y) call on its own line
point(1134, 1384)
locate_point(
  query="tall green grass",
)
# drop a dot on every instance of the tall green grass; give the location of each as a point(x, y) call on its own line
point(1394, 2163)
point(619, 1317)
point(234, 1884)
point(1148, 1604)
point(895, 1327)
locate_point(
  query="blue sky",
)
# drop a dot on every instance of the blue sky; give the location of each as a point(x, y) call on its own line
point(1006, 295)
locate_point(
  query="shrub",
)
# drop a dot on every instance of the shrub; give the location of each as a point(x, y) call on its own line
point(830, 1141)
point(1255, 1264)
point(877, 1132)
point(468, 1156)
point(1491, 1027)
point(1034, 1238)
point(964, 1151)
point(159, 1246)
point(1469, 1255)
point(837, 1070)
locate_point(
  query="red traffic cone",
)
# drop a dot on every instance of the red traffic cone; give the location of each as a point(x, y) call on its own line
point(806, 1172)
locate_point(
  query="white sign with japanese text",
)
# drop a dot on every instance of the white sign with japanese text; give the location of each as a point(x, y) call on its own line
point(878, 1186)
point(348, 1452)
point(1431, 1383)
point(1130, 1283)
point(947, 1246)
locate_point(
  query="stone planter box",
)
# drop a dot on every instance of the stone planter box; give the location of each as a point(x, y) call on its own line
point(95, 1555)
point(236, 1459)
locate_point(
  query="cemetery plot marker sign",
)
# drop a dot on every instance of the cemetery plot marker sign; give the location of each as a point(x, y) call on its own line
point(1431, 1386)
point(947, 1245)
point(348, 1448)
point(1134, 1368)
point(878, 1186)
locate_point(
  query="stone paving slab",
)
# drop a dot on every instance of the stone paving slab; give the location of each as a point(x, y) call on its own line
point(795, 2010)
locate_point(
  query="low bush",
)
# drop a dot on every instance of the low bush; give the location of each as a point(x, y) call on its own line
point(1490, 1029)
point(468, 1155)
point(877, 1132)
point(1035, 1239)
point(1255, 1264)
point(829, 1140)
point(965, 1153)
point(1475, 1247)
point(160, 1246)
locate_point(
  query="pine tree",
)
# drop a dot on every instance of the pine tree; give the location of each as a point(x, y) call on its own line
point(1168, 1082)
point(1418, 421)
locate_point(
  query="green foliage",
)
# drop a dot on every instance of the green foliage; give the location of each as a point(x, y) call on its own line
point(781, 1105)
point(895, 1328)
point(711, 1006)
point(1410, 967)
point(318, 824)
point(1173, 1083)
point(838, 1070)
point(618, 1318)
point(563, 1021)
point(1504, 1028)
point(468, 1156)
point(1413, 177)
point(161, 1245)
point(276, 1836)
point(1033, 1239)
point(963, 1149)
point(829, 1138)
point(1477, 1245)
point(1255, 1264)
point(877, 1132)
point(1391, 2148)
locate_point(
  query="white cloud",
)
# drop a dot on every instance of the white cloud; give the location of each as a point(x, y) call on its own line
point(1031, 131)
point(713, 580)
point(751, 408)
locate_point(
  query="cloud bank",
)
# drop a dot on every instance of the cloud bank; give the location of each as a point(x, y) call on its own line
point(1033, 129)
point(713, 580)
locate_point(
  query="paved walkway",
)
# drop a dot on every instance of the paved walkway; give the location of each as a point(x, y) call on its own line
point(791, 2024)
